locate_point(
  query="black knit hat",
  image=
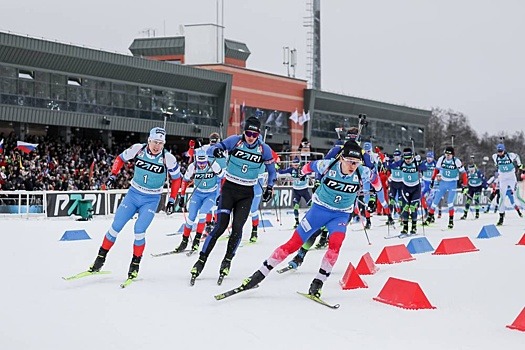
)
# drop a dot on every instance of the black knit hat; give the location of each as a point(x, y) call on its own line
point(407, 153)
point(252, 124)
point(449, 150)
point(352, 150)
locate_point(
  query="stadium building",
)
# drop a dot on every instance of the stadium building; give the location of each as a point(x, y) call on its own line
point(53, 88)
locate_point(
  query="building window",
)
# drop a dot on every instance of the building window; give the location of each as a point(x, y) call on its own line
point(26, 74)
point(74, 81)
point(276, 122)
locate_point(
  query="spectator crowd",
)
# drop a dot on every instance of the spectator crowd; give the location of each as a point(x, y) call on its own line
point(82, 164)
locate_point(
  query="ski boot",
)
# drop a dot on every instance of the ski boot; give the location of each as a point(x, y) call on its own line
point(323, 241)
point(253, 280)
point(487, 210)
point(183, 245)
point(477, 214)
point(439, 214)
point(196, 241)
point(253, 237)
point(501, 218)
point(134, 267)
point(315, 288)
point(225, 267)
point(450, 222)
point(368, 224)
point(296, 223)
point(413, 230)
point(496, 209)
point(464, 216)
point(404, 231)
point(224, 270)
point(99, 261)
point(297, 259)
point(430, 219)
point(518, 211)
point(390, 221)
point(198, 267)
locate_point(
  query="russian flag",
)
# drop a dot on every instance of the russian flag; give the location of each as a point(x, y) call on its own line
point(2, 146)
point(26, 147)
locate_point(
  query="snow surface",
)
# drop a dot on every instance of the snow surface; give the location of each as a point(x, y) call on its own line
point(475, 294)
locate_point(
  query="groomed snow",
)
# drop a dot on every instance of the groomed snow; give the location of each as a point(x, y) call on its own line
point(475, 294)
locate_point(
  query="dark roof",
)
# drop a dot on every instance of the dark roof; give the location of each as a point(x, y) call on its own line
point(236, 50)
point(349, 105)
point(42, 54)
point(158, 46)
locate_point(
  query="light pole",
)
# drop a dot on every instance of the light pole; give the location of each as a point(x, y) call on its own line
point(166, 113)
point(484, 163)
point(403, 129)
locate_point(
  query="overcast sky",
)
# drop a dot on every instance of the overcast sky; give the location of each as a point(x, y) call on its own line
point(465, 55)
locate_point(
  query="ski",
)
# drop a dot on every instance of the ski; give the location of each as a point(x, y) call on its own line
point(246, 242)
point(174, 234)
point(319, 300)
point(286, 268)
point(85, 274)
point(126, 282)
point(403, 235)
point(191, 252)
point(168, 253)
point(407, 235)
point(232, 292)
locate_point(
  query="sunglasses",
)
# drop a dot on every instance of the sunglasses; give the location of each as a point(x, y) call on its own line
point(249, 133)
point(351, 161)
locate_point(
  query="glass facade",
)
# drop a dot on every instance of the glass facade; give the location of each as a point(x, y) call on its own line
point(277, 122)
point(388, 134)
point(86, 95)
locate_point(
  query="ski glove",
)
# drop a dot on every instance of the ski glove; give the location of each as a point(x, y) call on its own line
point(371, 206)
point(181, 202)
point(267, 194)
point(111, 182)
point(465, 190)
point(218, 153)
point(316, 185)
point(170, 207)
